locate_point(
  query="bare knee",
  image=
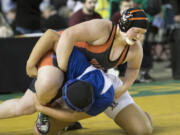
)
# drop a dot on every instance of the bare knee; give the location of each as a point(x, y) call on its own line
point(147, 131)
point(141, 130)
point(144, 128)
point(48, 82)
point(149, 118)
point(134, 121)
point(45, 87)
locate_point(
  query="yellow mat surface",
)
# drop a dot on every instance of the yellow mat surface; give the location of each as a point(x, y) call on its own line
point(161, 100)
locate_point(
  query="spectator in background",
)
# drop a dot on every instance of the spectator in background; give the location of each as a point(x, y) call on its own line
point(9, 11)
point(124, 4)
point(52, 20)
point(175, 40)
point(5, 29)
point(65, 12)
point(152, 8)
point(58, 3)
point(10, 17)
point(74, 5)
point(102, 8)
point(113, 6)
point(27, 16)
point(7, 5)
point(85, 14)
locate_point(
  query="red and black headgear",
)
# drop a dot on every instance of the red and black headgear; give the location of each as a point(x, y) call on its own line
point(133, 17)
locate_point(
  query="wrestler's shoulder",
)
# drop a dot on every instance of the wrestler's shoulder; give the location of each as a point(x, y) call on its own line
point(102, 22)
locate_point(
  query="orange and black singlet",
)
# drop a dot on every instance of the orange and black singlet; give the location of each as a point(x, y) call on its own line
point(99, 55)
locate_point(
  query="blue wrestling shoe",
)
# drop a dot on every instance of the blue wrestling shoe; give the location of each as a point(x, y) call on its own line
point(42, 123)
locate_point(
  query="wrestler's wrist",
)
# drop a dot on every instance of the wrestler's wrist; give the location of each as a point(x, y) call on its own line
point(39, 108)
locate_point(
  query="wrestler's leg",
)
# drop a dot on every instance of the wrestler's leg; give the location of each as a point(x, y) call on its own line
point(134, 120)
point(48, 82)
point(127, 114)
point(19, 106)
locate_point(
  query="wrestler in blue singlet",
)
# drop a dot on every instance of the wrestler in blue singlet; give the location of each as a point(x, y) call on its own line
point(80, 68)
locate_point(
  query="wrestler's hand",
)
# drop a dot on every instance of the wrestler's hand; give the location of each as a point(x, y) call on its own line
point(119, 92)
point(31, 69)
point(38, 106)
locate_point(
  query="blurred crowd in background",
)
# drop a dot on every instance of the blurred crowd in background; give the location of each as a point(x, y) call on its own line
point(18, 17)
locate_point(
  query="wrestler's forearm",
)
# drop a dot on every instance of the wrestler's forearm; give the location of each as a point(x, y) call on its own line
point(130, 77)
point(64, 48)
point(128, 80)
point(62, 115)
point(133, 66)
point(44, 44)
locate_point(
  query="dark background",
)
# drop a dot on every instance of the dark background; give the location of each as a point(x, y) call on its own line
point(14, 53)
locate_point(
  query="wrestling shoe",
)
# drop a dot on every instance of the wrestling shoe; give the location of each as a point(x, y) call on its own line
point(74, 126)
point(42, 123)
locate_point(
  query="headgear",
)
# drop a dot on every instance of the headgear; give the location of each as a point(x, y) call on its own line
point(78, 95)
point(133, 17)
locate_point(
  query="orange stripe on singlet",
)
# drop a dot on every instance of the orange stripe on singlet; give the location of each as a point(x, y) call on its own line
point(123, 55)
point(46, 60)
point(60, 32)
point(98, 48)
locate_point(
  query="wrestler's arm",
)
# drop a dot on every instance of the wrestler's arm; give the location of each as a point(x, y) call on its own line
point(63, 114)
point(89, 31)
point(132, 70)
point(47, 42)
point(60, 114)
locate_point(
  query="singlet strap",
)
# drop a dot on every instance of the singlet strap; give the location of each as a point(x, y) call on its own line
point(99, 48)
point(123, 55)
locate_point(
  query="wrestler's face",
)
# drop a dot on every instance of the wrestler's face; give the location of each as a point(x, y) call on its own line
point(63, 104)
point(125, 5)
point(135, 34)
point(90, 5)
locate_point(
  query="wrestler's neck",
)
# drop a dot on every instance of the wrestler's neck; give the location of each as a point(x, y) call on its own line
point(121, 37)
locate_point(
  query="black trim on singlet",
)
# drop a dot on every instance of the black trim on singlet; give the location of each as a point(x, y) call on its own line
point(114, 25)
point(117, 60)
point(103, 58)
point(125, 54)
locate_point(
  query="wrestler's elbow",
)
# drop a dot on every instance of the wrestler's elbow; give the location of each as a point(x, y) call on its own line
point(69, 35)
point(49, 31)
point(52, 34)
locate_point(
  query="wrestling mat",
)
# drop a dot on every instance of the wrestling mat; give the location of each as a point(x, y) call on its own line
point(160, 99)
